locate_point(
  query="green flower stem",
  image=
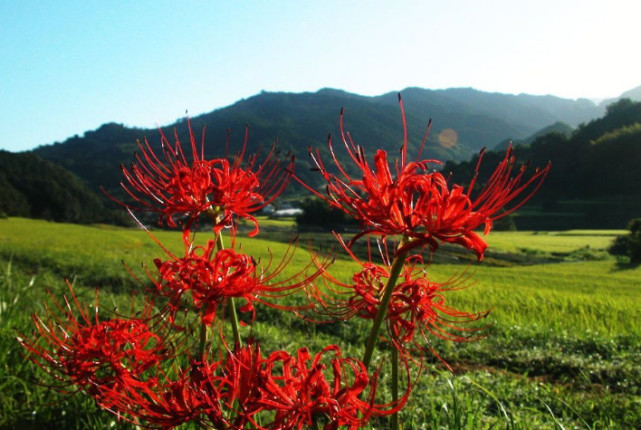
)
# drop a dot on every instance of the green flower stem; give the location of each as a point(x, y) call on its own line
point(397, 266)
point(231, 306)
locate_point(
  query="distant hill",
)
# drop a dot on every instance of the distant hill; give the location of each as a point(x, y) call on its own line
point(33, 187)
point(634, 94)
point(595, 180)
point(472, 119)
point(97, 155)
point(558, 127)
point(527, 113)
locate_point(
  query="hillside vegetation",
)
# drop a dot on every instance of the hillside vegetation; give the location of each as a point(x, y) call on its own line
point(593, 182)
point(300, 120)
point(595, 176)
point(33, 187)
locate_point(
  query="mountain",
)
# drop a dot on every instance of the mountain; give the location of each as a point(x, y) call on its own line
point(33, 187)
point(633, 94)
point(97, 155)
point(464, 120)
point(594, 149)
point(558, 127)
point(527, 113)
point(595, 176)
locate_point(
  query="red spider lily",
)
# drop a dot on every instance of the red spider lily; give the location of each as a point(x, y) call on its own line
point(174, 185)
point(416, 304)
point(160, 402)
point(213, 394)
point(419, 204)
point(91, 354)
point(242, 381)
point(298, 390)
point(279, 392)
point(212, 275)
point(234, 384)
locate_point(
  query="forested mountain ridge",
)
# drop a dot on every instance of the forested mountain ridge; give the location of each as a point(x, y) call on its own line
point(298, 120)
point(596, 162)
point(595, 180)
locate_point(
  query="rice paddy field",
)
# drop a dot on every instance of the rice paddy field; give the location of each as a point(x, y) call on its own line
point(563, 350)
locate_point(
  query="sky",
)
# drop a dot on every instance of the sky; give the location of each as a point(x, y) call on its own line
point(69, 66)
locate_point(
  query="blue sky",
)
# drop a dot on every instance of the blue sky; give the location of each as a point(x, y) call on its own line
point(69, 66)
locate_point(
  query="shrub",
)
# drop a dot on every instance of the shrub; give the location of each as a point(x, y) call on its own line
point(629, 245)
point(318, 213)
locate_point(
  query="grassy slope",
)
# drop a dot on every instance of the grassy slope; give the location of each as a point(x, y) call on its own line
point(564, 348)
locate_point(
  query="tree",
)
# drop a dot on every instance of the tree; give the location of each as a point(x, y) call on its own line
point(629, 245)
point(318, 213)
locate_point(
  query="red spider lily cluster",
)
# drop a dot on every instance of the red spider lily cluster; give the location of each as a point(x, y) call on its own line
point(239, 390)
point(173, 363)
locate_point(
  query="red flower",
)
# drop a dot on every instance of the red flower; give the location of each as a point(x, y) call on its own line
point(417, 305)
point(173, 184)
point(212, 275)
point(300, 393)
point(159, 403)
point(94, 355)
point(209, 393)
point(279, 392)
point(417, 203)
point(242, 381)
point(213, 394)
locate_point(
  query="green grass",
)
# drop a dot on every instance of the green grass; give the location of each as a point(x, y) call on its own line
point(574, 296)
point(561, 242)
point(564, 350)
point(283, 222)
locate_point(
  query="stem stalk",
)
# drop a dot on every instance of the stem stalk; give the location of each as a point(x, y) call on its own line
point(397, 266)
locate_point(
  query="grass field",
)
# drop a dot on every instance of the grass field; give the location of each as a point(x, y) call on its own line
point(564, 349)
